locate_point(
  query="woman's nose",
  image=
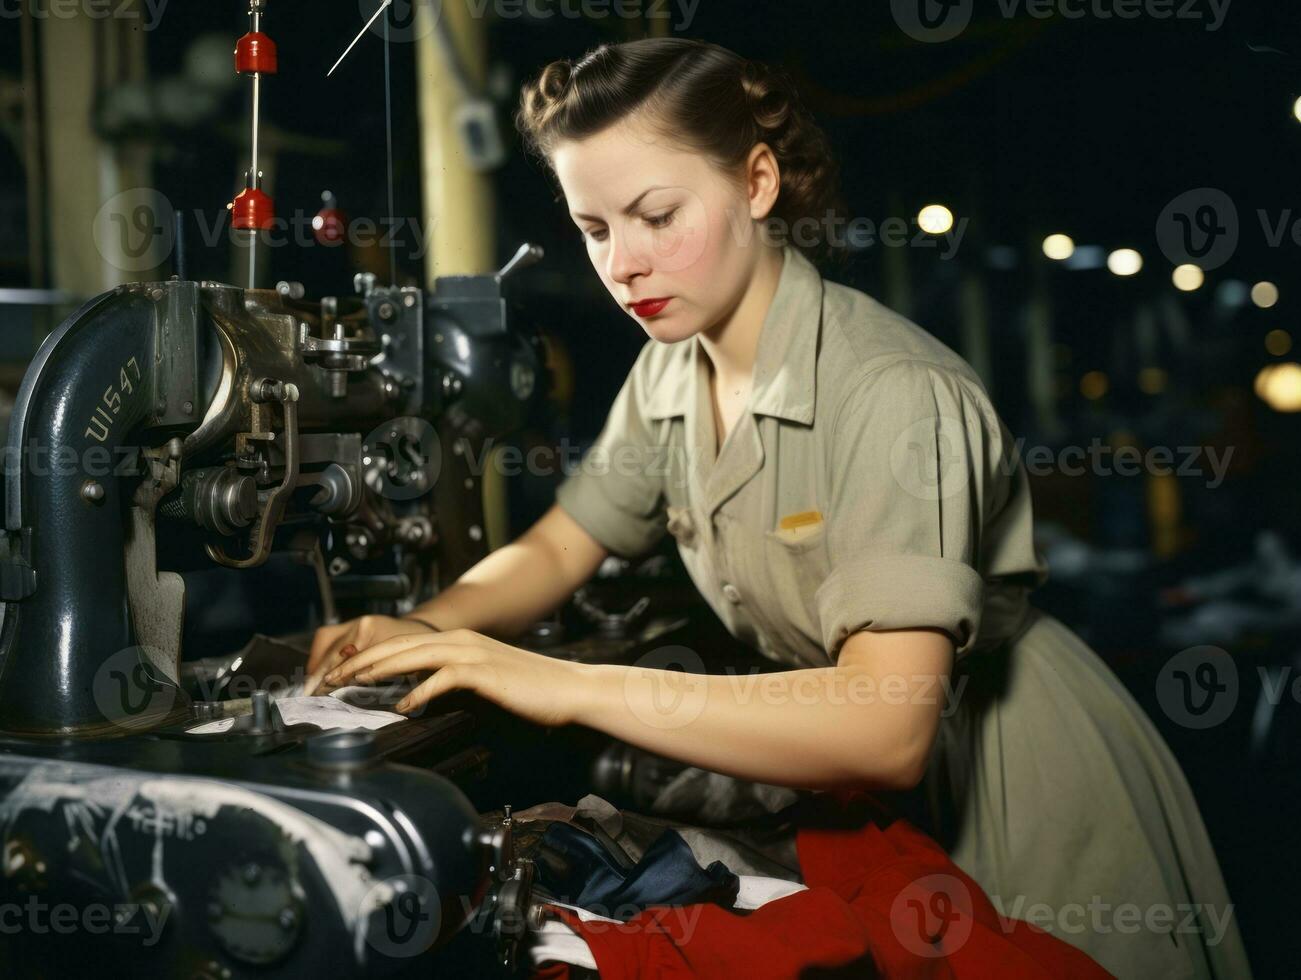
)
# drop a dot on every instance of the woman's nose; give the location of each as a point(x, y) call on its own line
point(625, 258)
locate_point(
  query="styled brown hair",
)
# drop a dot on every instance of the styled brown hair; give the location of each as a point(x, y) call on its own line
point(699, 95)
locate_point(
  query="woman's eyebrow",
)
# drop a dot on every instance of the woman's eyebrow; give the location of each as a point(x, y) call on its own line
point(628, 208)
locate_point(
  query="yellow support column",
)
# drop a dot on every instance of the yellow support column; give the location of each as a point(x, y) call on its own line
point(458, 209)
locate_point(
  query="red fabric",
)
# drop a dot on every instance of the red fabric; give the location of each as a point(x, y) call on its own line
point(883, 900)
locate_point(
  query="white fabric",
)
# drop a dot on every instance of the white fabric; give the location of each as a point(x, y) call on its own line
point(557, 942)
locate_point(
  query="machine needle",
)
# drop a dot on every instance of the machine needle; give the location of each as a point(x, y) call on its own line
point(382, 7)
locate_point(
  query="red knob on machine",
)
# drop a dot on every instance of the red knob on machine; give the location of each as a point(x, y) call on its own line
point(330, 224)
point(255, 52)
point(252, 210)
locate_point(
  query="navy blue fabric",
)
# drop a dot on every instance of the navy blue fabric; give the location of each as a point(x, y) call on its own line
point(578, 870)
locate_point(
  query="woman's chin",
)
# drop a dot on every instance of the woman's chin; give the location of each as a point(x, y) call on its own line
point(667, 330)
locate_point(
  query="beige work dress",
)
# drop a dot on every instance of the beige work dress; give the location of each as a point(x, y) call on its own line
point(871, 485)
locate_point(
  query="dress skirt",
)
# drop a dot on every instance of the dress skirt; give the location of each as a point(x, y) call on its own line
point(1050, 786)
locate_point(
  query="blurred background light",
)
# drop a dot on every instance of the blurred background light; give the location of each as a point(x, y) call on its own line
point(1279, 386)
point(935, 219)
point(1264, 295)
point(1125, 262)
point(1059, 247)
point(1278, 342)
point(1094, 385)
point(1188, 278)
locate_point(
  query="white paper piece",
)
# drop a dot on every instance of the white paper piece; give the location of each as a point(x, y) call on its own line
point(212, 727)
point(331, 712)
point(326, 711)
point(757, 890)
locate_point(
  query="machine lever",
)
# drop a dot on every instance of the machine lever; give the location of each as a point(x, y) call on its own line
point(264, 526)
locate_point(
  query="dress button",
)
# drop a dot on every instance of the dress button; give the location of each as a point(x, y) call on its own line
point(733, 594)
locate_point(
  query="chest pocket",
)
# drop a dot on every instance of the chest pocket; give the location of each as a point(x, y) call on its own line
point(796, 563)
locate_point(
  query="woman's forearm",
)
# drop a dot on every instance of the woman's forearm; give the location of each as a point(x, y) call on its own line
point(520, 583)
point(817, 728)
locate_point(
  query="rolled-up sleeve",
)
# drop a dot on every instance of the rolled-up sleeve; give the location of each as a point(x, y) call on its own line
point(617, 492)
point(914, 456)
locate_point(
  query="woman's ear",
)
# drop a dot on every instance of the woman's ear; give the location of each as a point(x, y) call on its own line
point(762, 180)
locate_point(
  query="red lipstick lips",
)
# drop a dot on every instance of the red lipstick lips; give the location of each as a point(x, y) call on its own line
point(649, 307)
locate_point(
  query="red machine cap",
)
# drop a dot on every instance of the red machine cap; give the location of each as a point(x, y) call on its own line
point(255, 52)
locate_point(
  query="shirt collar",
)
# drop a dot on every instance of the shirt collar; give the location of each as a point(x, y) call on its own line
point(786, 359)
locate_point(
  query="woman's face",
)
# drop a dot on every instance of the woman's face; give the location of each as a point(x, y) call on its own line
point(661, 223)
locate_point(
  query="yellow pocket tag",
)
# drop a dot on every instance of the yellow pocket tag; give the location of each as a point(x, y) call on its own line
point(791, 521)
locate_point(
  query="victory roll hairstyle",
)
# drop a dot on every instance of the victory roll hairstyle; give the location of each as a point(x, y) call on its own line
point(700, 96)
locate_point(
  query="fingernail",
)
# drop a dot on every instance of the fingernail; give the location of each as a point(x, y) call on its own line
point(332, 676)
point(348, 650)
point(403, 705)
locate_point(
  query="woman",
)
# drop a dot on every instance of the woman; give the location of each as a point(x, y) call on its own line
point(863, 522)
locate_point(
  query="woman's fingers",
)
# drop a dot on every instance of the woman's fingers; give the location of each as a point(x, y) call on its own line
point(409, 661)
point(435, 649)
point(450, 678)
point(324, 642)
point(316, 683)
point(407, 641)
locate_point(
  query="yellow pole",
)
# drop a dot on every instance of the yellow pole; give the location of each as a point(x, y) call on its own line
point(458, 209)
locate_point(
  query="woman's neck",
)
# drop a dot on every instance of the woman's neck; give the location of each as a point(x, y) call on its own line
point(733, 343)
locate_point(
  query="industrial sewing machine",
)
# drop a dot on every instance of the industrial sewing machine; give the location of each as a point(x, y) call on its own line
point(241, 421)
point(158, 810)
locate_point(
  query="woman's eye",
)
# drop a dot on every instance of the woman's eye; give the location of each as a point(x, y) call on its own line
point(595, 236)
point(661, 220)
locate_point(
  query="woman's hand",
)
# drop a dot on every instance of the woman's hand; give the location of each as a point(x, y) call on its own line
point(542, 689)
point(362, 632)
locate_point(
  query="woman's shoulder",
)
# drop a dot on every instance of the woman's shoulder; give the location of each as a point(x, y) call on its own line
point(864, 341)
